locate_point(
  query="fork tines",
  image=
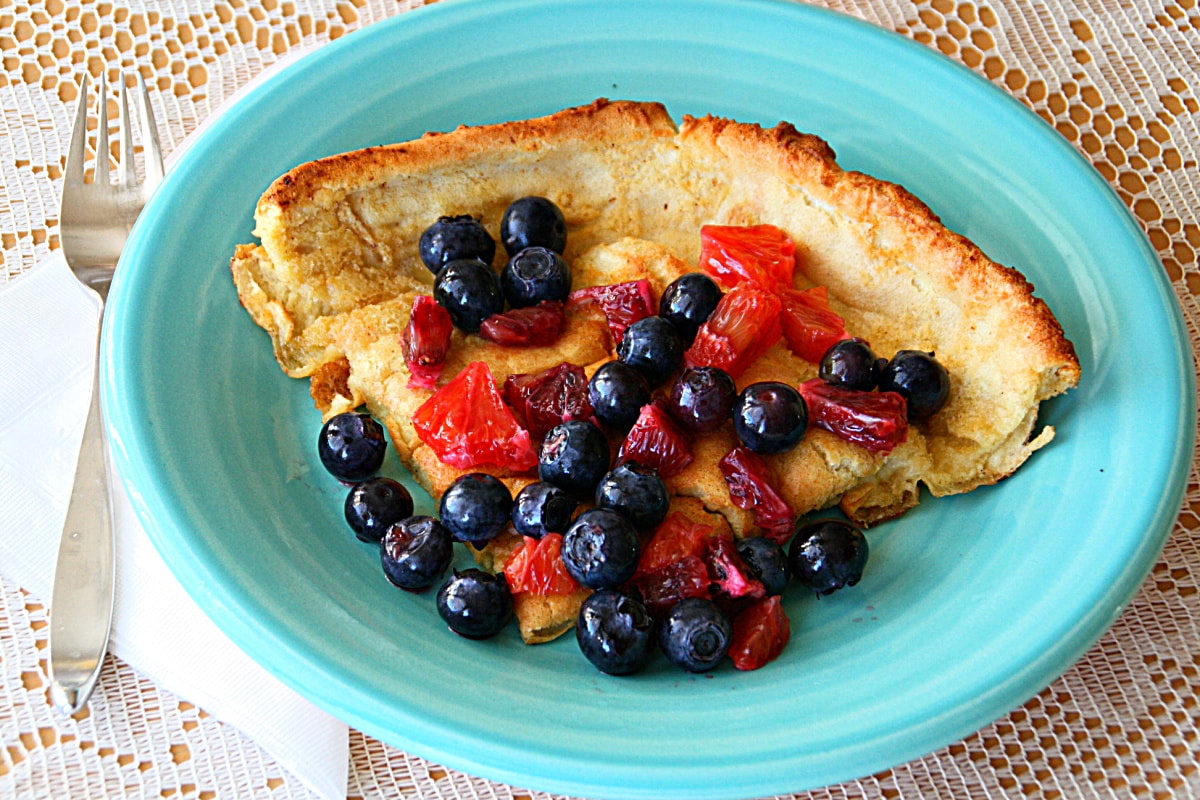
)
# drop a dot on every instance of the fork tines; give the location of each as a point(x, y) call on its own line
point(148, 134)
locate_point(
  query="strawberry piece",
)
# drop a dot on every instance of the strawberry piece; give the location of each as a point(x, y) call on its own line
point(467, 424)
point(536, 567)
point(760, 632)
point(622, 303)
point(876, 420)
point(425, 341)
point(743, 326)
point(532, 325)
point(730, 576)
point(661, 589)
point(655, 440)
point(544, 399)
point(810, 326)
point(751, 487)
point(676, 537)
point(761, 254)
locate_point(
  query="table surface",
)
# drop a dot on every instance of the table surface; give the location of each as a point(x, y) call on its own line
point(1119, 80)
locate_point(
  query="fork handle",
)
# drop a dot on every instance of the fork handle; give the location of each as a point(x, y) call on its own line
point(81, 606)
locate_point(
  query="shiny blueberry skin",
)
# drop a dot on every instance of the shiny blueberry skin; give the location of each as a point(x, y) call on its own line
point(615, 632)
point(475, 604)
point(617, 393)
point(574, 457)
point(453, 238)
point(542, 508)
point(475, 508)
point(533, 222)
point(374, 504)
point(652, 346)
point(470, 291)
point(688, 302)
point(600, 549)
point(769, 417)
point(351, 446)
point(828, 554)
point(767, 561)
point(850, 364)
point(922, 381)
point(415, 552)
point(637, 492)
point(695, 635)
point(533, 275)
point(702, 399)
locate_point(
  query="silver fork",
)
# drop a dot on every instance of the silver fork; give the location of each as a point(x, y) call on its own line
point(94, 222)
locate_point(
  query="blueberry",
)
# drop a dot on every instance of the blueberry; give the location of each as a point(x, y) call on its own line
point(533, 222)
point(702, 399)
point(453, 238)
point(470, 291)
point(373, 505)
point(688, 302)
point(651, 346)
point(600, 549)
point(695, 634)
point(615, 632)
point(415, 552)
point(637, 492)
point(533, 275)
point(542, 508)
point(922, 381)
point(475, 508)
point(766, 561)
point(850, 364)
point(769, 417)
point(827, 554)
point(351, 446)
point(574, 457)
point(617, 393)
point(475, 604)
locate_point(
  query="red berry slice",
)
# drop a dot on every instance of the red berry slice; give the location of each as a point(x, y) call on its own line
point(761, 254)
point(676, 537)
point(751, 487)
point(655, 440)
point(536, 567)
point(544, 399)
point(425, 341)
point(467, 425)
point(728, 572)
point(743, 326)
point(810, 327)
point(622, 303)
point(520, 327)
point(661, 589)
point(876, 420)
point(760, 632)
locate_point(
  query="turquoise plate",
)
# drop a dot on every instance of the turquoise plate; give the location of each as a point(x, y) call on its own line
point(971, 605)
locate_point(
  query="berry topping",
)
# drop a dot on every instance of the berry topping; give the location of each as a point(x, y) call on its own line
point(695, 635)
point(635, 491)
point(759, 254)
point(617, 393)
point(425, 341)
point(534, 275)
point(622, 303)
point(875, 420)
point(651, 346)
point(533, 325)
point(702, 399)
point(467, 424)
point(920, 379)
point(533, 222)
point(541, 508)
point(544, 399)
point(470, 291)
point(615, 632)
point(351, 446)
point(688, 302)
point(766, 561)
point(769, 417)
point(751, 487)
point(744, 325)
point(455, 238)
point(536, 567)
point(760, 632)
point(574, 457)
point(827, 554)
point(662, 588)
point(475, 508)
point(373, 505)
point(850, 364)
point(656, 441)
point(676, 538)
point(810, 327)
point(600, 549)
point(415, 552)
point(475, 604)
point(730, 576)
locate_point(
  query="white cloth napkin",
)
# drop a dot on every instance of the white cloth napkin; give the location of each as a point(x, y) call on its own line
point(47, 330)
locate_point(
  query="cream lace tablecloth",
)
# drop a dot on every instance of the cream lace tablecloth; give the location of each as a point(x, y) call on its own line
point(1118, 78)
